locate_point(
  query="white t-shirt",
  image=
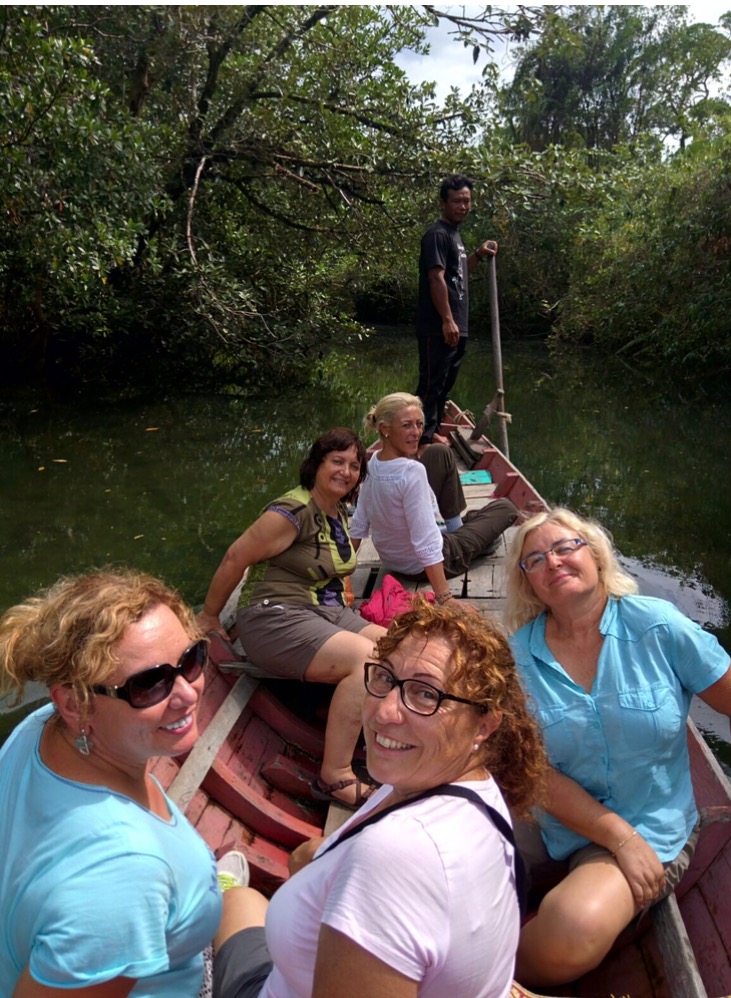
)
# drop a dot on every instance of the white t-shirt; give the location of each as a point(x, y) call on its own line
point(428, 889)
point(398, 508)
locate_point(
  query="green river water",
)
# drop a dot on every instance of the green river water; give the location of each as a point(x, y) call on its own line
point(166, 484)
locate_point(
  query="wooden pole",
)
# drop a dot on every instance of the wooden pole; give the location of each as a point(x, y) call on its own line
point(497, 358)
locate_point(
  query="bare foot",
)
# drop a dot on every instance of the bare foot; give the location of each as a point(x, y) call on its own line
point(439, 439)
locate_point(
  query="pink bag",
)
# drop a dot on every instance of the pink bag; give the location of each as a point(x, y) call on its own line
point(388, 601)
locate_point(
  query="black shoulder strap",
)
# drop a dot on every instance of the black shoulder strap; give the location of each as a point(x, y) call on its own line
point(453, 790)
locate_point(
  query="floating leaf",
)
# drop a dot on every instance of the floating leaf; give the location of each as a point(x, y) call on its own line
point(59, 460)
point(137, 537)
point(151, 429)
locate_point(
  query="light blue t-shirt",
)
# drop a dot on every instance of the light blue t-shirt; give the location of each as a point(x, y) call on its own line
point(625, 741)
point(93, 886)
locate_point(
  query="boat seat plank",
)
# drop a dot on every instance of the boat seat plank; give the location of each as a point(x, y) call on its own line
point(683, 976)
point(262, 814)
point(337, 815)
point(490, 608)
point(367, 554)
point(203, 753)
point(243, 667)
point(477, 496)
point(361, 581)
point(481, 579)
point(290, 776)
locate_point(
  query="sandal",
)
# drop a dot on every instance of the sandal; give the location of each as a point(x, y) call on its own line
point(327, 791)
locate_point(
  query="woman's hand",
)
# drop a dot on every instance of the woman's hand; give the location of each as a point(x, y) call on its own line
point(642, 869)
point(579, 811)
point(303, 854)
point(267, 537)
point(210, 622)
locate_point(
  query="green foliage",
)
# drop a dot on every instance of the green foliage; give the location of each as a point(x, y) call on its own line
point(535, 201)
point(68, 220)
point(651, 273)
point(210, 187)
point(604, 75)
point(211, 194)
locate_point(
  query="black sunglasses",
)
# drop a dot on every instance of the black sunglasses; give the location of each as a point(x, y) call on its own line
point(154, 685)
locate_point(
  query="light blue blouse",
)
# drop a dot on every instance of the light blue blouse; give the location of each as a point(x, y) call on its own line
point(93, 886)
point(625, 741)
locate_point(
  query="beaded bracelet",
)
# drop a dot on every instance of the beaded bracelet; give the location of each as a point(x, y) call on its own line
point(624, 843)
point(443, 597)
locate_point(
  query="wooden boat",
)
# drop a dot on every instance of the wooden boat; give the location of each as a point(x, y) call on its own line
point(247, 781)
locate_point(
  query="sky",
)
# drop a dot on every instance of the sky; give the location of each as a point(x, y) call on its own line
point(450, 63)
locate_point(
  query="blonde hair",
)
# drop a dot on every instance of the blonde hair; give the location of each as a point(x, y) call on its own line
point(484, 671)
point(67, 635)
point(522, 604)
point(385, 410)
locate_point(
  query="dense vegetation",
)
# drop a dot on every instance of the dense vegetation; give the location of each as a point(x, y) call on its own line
point(221, 193)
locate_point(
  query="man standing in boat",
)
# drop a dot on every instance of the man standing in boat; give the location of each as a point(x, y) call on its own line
point(443, 307)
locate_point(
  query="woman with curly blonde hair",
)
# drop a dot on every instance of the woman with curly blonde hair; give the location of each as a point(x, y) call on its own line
point(105, 887)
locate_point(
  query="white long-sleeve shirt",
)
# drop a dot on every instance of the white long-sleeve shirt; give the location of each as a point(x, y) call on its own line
point(398, 509)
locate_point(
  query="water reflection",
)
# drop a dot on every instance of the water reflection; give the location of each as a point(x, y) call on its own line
point(166, 484)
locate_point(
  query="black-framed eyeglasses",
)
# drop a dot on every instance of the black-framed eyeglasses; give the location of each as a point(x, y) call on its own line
point(562, 549)
point(421, 698)
point(153, 685)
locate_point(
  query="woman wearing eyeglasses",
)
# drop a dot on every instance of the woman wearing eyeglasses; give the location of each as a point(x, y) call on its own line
point(416, 895)
point(106, 890)
point(611, 675)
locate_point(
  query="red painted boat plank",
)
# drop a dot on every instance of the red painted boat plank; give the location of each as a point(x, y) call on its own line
point(309, 738)
point(216, 690)
point(217, 827)
point(252, 744)
point(267, 862)
point(708, 943)
point(289, 776)
point(196, 806)
point(263, 816)
point(624, 972)
point(247, 763)
point(710, 784)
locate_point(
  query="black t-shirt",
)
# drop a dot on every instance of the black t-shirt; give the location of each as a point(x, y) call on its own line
point(442, 246)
